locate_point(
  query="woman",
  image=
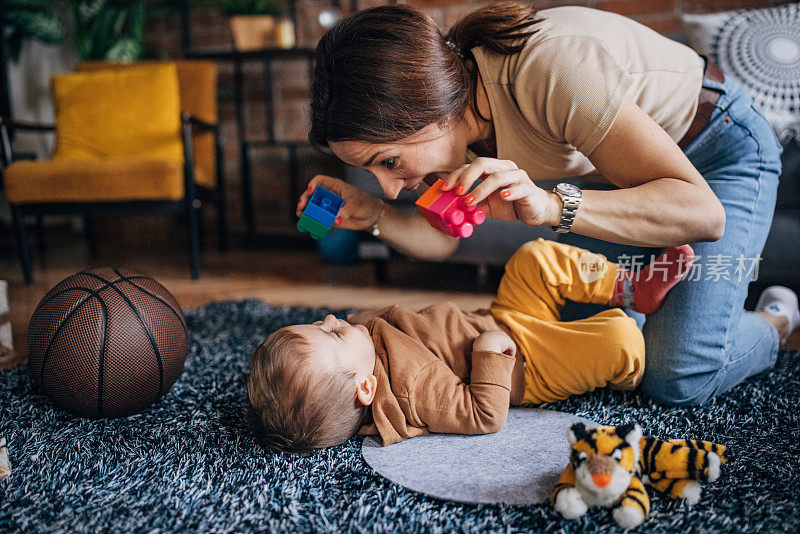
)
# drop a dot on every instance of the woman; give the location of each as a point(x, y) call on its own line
point(559, 93)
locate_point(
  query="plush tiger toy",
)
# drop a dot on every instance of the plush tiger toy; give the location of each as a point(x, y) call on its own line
point(606, 463)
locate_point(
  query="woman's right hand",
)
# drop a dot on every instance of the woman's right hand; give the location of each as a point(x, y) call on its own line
point(359, 210)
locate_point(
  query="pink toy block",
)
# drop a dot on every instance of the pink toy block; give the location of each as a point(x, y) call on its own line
point(446, 211)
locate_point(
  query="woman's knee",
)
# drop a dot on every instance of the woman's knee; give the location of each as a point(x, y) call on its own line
point(667, 382)
point(690, 369)
point(680, 391)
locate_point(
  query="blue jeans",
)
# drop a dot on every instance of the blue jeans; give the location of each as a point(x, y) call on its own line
point(701, 342)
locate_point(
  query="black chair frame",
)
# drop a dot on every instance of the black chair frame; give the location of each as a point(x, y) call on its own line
point(194, 195)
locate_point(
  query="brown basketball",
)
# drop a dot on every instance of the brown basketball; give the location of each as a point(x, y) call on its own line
point(106, 343)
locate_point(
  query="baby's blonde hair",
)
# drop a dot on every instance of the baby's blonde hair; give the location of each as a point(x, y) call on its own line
point(297, 406)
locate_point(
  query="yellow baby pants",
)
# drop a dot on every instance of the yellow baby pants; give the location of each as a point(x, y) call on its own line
point(565, 358)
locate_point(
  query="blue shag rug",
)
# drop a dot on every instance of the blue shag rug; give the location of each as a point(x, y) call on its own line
point(189, 463)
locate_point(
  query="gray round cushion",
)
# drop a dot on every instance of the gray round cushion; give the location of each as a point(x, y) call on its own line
point(518, 465)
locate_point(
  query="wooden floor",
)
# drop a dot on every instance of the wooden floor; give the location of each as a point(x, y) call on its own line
point(280, 276)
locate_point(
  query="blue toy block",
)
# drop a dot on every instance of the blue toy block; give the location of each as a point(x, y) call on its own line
point(320, 213)
point(323, 206)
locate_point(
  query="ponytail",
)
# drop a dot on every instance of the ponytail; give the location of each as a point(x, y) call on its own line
point(502, 27)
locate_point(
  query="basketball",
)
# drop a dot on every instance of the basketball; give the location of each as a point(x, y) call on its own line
point(106, 342)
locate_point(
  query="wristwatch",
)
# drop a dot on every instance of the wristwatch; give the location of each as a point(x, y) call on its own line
point(570, 199)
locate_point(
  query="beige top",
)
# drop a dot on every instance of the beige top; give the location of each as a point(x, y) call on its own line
point(429, 378)
point(554, 102)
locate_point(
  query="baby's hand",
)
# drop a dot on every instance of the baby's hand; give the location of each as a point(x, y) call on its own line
point(495, 341)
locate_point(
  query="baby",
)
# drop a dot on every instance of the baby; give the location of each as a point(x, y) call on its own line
point(397, 374)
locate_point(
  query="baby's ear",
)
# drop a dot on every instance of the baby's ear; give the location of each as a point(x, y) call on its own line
point(366, 389)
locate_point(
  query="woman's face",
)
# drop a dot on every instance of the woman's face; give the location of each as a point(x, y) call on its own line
point(433, 152)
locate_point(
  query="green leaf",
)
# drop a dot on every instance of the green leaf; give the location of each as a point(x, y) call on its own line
point(125, 50)
point(89, 10)
point(39, 26)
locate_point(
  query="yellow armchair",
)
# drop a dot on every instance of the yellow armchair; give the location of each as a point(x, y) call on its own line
point(138, 137)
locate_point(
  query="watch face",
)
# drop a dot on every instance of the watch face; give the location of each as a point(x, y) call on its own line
point(568, 189)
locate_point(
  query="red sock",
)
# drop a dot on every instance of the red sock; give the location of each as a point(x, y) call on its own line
point(644, 291)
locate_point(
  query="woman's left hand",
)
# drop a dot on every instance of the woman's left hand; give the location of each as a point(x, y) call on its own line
point(506, 193)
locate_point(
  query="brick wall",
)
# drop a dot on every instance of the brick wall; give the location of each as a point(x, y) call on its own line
point(291, 84)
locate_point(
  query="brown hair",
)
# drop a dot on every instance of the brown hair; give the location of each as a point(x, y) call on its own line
point(297, 406)
point(383, 73)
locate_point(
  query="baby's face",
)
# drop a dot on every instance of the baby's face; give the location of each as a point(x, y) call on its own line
point(339, 341)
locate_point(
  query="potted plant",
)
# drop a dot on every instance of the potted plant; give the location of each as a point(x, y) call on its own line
point(111, 30)
point(30, 19)
point(253, 22)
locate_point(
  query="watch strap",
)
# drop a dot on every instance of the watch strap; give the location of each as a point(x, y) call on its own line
point(569, 210)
